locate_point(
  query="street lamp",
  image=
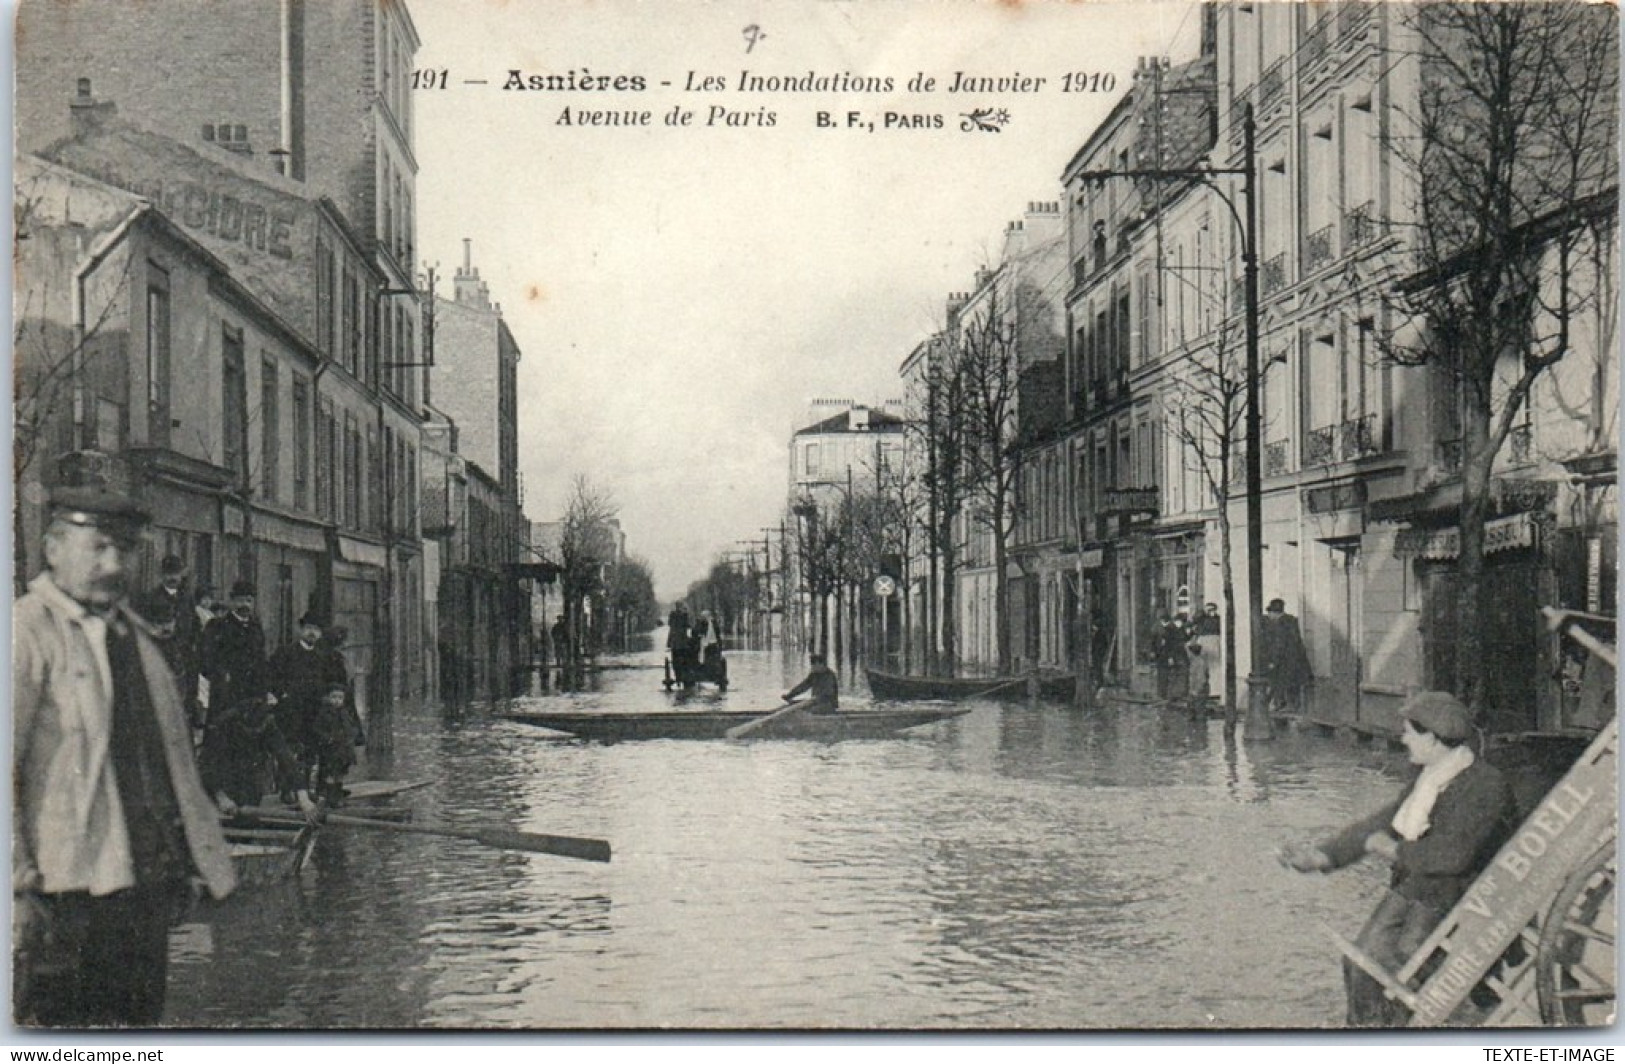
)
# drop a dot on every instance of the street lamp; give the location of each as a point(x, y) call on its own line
point(1258, 721)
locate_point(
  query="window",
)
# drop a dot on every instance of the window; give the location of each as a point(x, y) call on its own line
point(270, 432)
point(809, 459)
point(234, 404)
point(350, 498)
point(301, 443)
point(350, 323)
point(326, 451)
point(324, 297)
point(158, 355)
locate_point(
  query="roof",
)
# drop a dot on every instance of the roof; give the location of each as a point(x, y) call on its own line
point(879, 421)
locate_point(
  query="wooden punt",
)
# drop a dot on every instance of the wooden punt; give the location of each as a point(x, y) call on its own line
point(891, 686)
point(707, 724)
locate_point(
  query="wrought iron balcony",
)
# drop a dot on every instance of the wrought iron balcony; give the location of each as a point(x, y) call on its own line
point(1359, 437)
point(1317, 248)
point(1277, 457)
point(1449, 455)
point(1352, 17)
point(1272, 276)
point(1359, 225)
point(1320, 446)
point(1315, 43)
point(1269, 85)
point(1520, 444)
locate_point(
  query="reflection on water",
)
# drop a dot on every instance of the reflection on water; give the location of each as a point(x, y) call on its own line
point(1025, 866)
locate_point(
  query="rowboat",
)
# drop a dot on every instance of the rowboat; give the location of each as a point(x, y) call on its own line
point(707, 724)
point(893, 686)
point(366, 790)
point(266, 854)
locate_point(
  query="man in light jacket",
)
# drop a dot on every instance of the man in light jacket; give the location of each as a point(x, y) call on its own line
point(1437, 835)
point(110, 823)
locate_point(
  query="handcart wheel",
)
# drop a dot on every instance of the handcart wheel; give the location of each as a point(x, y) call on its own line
point(1574, 966)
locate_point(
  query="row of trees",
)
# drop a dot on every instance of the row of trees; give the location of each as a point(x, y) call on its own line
point(1512, 145)
point(595, 570)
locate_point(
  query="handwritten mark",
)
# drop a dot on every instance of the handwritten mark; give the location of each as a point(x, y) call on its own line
point(753, 33)
point(984, 119)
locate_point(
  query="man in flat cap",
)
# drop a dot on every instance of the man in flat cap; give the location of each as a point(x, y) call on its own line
point(111, 823)
point(1438, 835)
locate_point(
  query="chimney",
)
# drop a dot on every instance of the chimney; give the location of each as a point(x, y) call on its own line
point(468, 289)
point(956, 303)
point(86, 114)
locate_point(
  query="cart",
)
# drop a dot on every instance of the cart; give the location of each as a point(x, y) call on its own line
point(1531, 943)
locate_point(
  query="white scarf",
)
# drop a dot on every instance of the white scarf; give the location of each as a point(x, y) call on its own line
point(1411, 819)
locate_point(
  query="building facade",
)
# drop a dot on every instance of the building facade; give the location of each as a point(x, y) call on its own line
point(309, 101)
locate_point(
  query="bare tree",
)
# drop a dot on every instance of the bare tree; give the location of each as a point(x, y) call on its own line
point(1205, 409)
point(1514, 145)
point(586, 548)
point(988, 359)
point(52, 361)
point(939, 427)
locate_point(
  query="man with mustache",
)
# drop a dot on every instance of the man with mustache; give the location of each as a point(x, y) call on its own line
point(111, 823)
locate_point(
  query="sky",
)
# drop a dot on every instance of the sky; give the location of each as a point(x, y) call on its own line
point(680, 294)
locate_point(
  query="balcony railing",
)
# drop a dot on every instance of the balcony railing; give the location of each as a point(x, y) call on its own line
point(1272, 276)
point(1238, 112)
point(1449, 455)
point(1352, 17)
point(1520, 445)
point(1315, 43)
point(1359, 225)
point(1277, 455)
point(1317, 248)
point(1359, 437)
point(1320, 446)
point(1269, 85)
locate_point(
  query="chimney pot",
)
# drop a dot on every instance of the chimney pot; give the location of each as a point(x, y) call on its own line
point(84, 88)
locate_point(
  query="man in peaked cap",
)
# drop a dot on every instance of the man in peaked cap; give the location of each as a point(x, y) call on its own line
point(1438, 835)
point(111, 822)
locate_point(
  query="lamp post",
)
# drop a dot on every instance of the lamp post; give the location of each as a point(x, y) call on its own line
point(1258, 720)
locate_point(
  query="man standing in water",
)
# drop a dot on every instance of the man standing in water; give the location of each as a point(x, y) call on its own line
point(110, 821)
point(1438, 836)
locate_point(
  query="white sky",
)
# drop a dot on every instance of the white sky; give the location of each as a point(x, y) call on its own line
point(681, 294)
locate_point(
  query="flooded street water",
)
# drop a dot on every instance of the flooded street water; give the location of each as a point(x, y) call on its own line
point(1024, 866)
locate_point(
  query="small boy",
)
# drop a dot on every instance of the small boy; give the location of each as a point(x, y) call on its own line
point(331, 743)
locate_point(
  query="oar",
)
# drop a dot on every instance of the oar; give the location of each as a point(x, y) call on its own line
point(503, 838)
point(1000, 687)
point(739, 731)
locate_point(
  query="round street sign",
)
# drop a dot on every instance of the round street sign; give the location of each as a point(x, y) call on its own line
point(884, 585)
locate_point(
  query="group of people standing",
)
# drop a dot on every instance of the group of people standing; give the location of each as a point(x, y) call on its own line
point(284, 722)
point(1187, 652)
point(694, 649)
point(138, 721)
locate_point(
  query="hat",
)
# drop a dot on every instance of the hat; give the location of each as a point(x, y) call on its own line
point(243, 588)
point(1276, 606)
point(1440, 713)
point(98, 508)
point(314, 619)
point(171, 564)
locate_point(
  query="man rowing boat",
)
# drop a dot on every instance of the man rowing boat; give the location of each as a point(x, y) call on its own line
point(824, 685)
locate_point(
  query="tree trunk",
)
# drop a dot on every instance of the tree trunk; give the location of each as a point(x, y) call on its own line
point(1477, 458)
point(1227, 577)
point(949, 661)
point(1001, 593)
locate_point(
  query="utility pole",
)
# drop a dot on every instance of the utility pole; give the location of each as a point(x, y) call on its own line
point(1258, 722)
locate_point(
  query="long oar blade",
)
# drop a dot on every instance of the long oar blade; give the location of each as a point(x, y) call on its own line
point(503, 838)
point(557, 845)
